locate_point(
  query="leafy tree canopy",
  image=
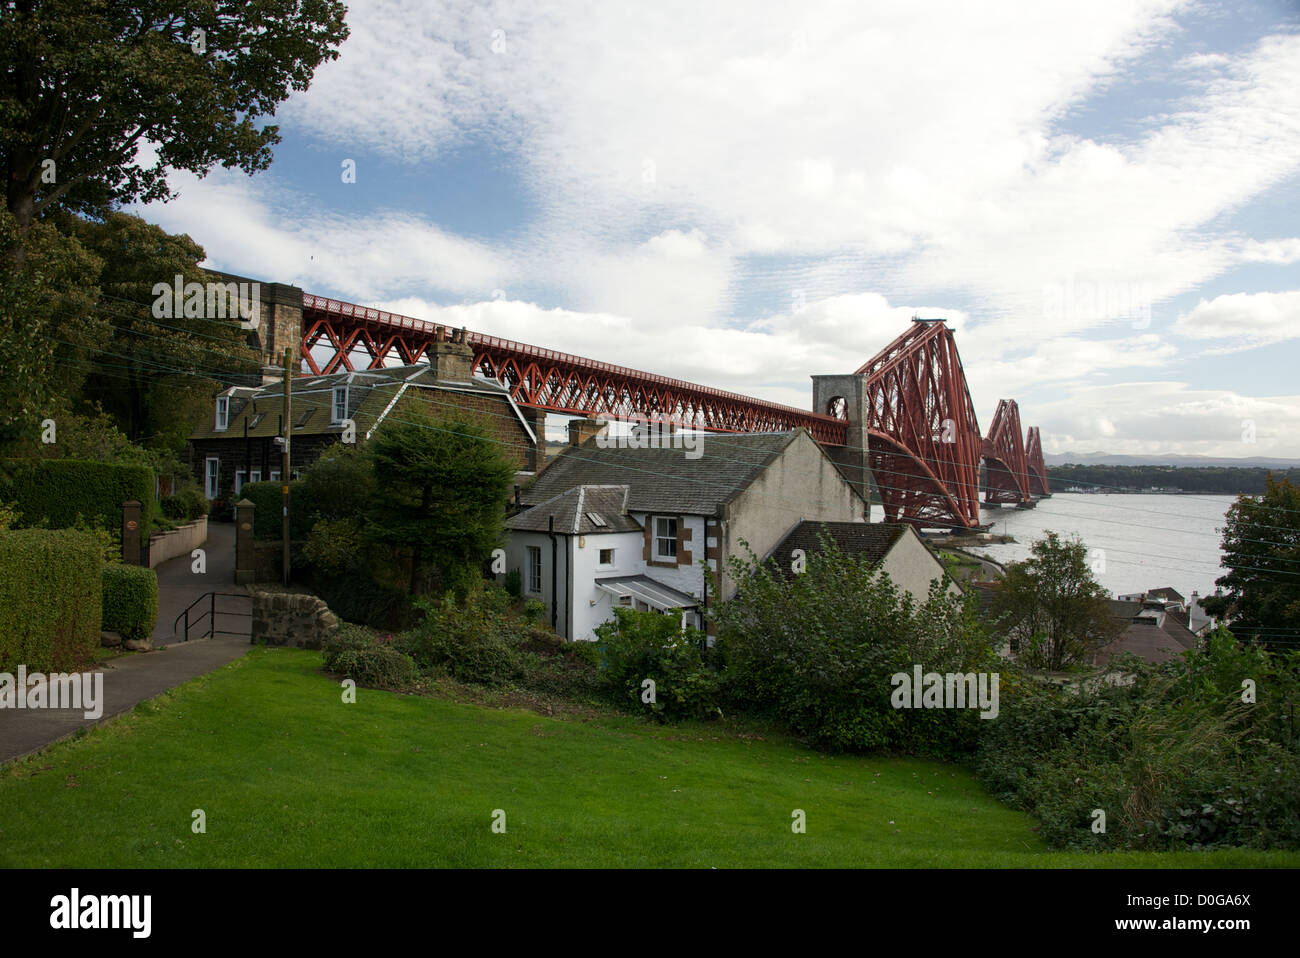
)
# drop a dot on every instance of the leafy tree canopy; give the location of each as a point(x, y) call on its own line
point(99, 99)
point(1261, 549)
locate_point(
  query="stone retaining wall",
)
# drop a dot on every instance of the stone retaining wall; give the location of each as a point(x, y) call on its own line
point(283, 618)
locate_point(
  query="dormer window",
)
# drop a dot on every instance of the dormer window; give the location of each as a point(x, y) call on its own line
point(340, 406)
point(223, 412)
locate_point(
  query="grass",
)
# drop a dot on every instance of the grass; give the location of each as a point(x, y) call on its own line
point(290, 776)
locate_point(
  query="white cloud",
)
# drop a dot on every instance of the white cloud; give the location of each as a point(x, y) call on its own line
point(1252, 319)
point(1170, 418)
point(1280, 251)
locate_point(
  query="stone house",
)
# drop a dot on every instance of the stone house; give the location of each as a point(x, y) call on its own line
point(240, 442)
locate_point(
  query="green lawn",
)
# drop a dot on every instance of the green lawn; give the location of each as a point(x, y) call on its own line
point(289, 775)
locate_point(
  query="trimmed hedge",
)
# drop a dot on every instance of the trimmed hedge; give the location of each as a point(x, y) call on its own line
point(130, 601)
point(51, 591)
point(58, 490)
point(267, 509)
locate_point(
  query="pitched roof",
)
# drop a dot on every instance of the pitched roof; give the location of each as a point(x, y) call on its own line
point(370, 392)
point(1168, 594)
point(1147, 639)
point(868, 540)
point(577, 510)
point(663, 479)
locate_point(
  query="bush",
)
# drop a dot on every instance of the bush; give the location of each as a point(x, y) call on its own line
point(1176, 759)
point(649, 645)
point(185, 505)
point(268, 512)
point(817, 652)
point(50, 599)
point(56, 491)
point(474, 642)
point(369, 662)
point(514, 583)
point(130, 601)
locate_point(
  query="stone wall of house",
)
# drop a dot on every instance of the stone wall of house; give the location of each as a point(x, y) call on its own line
point(284, 618)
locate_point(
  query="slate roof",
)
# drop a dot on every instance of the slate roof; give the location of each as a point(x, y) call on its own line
point(573, 511)
point(1146, 640)
point(663, 479)
point(369, 393)
point(869, 540)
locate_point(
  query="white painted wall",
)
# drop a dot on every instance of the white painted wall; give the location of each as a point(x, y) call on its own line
point(592, 606)
point(913, 567)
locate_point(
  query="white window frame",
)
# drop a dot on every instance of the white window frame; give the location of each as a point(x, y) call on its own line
point(275, 475)
point(655, 553)
point(533, 570)
point(255, 475)
point(335, 418)
point(212, 476)
point(240, 480)
point(600, 563)
point(223, 413)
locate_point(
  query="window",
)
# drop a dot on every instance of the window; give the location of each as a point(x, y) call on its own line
point(606, 556)
point(213, 474)
point(275, 475)
point(256, 476)
point(302, 420)
point(340, 411)
point(223, 412)
point(665, 548)
point(257, 420)
point(239, 480)
point(535, 569)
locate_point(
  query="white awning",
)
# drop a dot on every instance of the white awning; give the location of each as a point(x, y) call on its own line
point(652, 593)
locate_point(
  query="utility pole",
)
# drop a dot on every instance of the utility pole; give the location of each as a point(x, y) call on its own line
point(284, 467)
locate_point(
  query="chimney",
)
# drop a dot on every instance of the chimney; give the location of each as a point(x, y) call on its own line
point(582, 431)
point(451, 360)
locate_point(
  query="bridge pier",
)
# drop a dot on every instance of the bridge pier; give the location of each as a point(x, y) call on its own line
point(847, 391)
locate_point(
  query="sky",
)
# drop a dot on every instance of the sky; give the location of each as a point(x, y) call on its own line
point(1102, 199)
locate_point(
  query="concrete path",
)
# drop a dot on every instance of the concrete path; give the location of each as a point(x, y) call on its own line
point(130, 679)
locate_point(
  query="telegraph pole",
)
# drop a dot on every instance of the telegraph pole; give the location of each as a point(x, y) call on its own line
point(284, 467)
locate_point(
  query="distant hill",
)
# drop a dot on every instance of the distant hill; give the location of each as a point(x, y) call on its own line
point(1190, 462)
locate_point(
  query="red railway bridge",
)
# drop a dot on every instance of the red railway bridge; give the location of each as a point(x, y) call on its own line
point(904, 419)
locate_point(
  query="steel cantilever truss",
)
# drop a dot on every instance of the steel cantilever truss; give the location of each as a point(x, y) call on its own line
point(1006, 476)
point(545, 378)
point(924, 437)
point(1037, 470)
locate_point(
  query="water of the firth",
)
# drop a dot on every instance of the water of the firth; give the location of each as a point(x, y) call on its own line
point(1145, 541)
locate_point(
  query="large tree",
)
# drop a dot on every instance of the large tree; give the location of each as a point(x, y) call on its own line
point(88, 83)
point(1051, 608)
point(155, 376)
point(442, 486)
point(1261, 548)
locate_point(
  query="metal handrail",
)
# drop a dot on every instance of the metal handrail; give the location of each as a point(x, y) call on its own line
point(210, 614)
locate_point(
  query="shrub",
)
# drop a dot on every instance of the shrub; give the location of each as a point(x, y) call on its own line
point(367, 661)
point(56, 491)
point(130, 601)
point(514, 583)
point(1176, 759)
point(649, 645)
point(817, 652)
point(475, 641)
point(186, 504)
point(50, 598)
point(268, 514)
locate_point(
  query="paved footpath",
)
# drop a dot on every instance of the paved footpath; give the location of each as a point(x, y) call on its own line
point(132, 678)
